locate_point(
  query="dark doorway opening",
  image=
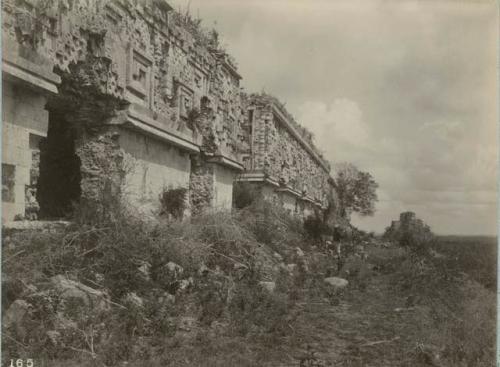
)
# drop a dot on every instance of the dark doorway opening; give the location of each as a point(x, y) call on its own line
point(59, 182)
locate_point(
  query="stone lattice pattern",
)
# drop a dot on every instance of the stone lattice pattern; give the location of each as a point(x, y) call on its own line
point(143, 52)
point(281, 154)
point(140, 65)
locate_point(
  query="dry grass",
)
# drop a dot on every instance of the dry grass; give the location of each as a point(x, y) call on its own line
point(107, 256)
point(445, 317)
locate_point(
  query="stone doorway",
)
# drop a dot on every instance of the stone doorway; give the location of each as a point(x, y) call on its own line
point(59, 183)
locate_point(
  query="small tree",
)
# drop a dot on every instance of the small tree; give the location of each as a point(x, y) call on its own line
point(356, 190)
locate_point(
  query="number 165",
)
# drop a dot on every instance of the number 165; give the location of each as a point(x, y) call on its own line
point(21, 363)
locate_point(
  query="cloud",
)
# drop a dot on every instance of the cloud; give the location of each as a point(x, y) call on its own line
point(337, 123)
point(444, 130)
point(406, 90)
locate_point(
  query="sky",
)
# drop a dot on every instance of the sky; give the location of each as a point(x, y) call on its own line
point(406, 90)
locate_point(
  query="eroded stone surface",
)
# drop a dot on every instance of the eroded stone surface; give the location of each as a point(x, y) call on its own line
point(284, 151)
point(131, 78)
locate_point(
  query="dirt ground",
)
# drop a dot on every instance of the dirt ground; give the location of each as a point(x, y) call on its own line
point(375, 324)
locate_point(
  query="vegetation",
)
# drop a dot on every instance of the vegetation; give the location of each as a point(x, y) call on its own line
point(244, 194)
point(474, 255)
point(173, 202)
point(206, 271)
point(197, 292)
point(315, 226)
point(203, 36)
point(193, 119)
point(456, 312)
point(356, 190)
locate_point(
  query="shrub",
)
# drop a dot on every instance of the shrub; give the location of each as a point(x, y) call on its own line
point(193, 119)
point(416, 240)
point(273, 226)
point(236, 249)
point(254, 309)
point(244, 194)
point(314, 226)
point(173, 202)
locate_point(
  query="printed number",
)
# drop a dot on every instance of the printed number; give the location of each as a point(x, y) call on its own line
point(21, 363)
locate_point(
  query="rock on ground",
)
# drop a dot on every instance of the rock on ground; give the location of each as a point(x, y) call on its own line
point(89, 297)
point(174, 269)
point(268, 286)
point(145, 270)
point(336, 282)
point(16, 313)
point(133, 300)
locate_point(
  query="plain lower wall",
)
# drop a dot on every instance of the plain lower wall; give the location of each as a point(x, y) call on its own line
point(223, 190)
point(150, 167)
point(24, 120)
point(293, 204)
point(269, 193)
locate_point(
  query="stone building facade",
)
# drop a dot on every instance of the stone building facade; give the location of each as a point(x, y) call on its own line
point(129, 98)
point(282, 158)
point(124, 95)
